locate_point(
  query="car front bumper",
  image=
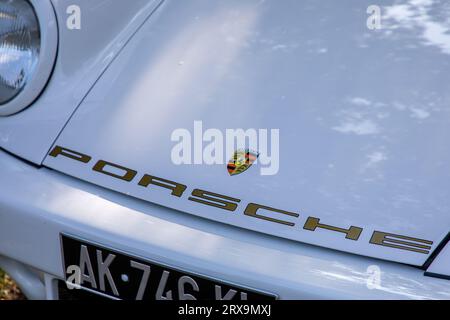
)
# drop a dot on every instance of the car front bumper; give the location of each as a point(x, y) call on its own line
point(38, 204)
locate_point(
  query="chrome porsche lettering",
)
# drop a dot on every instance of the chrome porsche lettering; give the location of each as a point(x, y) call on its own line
point(228, 203)
point(59, 151)
point(351, 233)
point(401, 242)
point(115, 170)
point(252, 209)
point(177, 188)
point(214, 199)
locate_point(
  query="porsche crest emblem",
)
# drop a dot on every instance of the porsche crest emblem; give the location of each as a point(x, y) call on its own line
point(241, 161)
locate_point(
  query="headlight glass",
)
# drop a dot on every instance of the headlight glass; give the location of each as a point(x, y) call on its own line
point(19, 46)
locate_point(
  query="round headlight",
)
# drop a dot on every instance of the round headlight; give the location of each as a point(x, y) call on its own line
point(27, 51)
point(20, 42)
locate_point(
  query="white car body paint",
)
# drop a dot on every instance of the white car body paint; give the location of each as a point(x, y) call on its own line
point(82, 57)
point(363, 142)
point(440, 265)
point(378, 180)
point(38, 204)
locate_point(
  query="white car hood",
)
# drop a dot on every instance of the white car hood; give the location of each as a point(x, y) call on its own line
point(364, 116)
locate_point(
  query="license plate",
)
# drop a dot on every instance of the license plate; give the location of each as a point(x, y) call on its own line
point(122, 276)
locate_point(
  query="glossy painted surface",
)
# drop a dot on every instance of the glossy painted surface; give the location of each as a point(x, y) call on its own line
point(36, 205)
point(441, 264)
point(363, 114)
point(82, 57)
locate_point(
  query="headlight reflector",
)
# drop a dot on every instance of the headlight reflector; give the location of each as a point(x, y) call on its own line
point(20, 42)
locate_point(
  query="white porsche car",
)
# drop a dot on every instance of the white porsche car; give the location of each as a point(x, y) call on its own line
point(225, 149)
